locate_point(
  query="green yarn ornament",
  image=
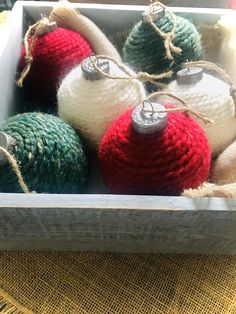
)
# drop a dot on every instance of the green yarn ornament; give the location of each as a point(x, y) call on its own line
point(146, 50)
point(48, 152)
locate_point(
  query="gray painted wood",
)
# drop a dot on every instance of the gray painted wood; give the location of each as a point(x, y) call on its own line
point(107, 222)
point(118, 223)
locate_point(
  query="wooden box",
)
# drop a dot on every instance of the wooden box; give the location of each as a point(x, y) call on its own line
point(105, 222)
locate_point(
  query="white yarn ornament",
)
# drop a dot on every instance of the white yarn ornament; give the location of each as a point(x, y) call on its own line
point(91, 106)
point(211, 97)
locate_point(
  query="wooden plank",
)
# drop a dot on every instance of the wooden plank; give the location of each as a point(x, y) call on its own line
point(118, 223)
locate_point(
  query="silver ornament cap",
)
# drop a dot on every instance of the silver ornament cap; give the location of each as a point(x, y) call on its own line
point(189, 76)
point(156, 13)
point(90, 72)
point(7, 142)
point(148, 118)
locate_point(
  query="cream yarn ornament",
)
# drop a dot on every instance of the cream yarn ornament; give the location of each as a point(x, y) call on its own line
point(90, 102)
point(211, 96)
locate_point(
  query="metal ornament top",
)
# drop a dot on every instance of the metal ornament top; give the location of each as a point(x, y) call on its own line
point(149, 119)
point(189, 76)
point(90, 72)
point(155, 14)
point(7, 142)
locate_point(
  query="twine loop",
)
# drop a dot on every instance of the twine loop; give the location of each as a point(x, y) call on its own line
point(33, 32)
point(221, 72)
point(16, 169)
point(185, 107)
point(141, 76)
point(167, 37)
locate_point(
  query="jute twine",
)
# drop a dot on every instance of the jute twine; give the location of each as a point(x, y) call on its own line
point(221, 72)
point(167, 37)
point(186, 108)
point(141, 76)
point(31, 35)
point(14, 166)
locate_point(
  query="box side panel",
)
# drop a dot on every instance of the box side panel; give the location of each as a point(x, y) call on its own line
point(118, 223)
point(9, 56)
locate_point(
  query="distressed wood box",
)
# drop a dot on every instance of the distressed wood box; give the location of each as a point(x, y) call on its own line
point(96, 220)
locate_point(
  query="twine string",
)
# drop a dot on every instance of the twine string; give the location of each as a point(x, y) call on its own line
point(29, 42)
point(141, 76)
point(223, 74)
point(167, 37)
point(185, 107)
point(14, 166)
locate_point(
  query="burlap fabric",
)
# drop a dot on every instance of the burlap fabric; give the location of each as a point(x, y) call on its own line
point(52, 282)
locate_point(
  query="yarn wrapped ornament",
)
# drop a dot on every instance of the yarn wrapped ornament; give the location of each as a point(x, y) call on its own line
point(50, 52)
point(154, 149)
point(39, 152)
point(66, 17)
point(162, 41)
point(95, 93)
point(212, 97)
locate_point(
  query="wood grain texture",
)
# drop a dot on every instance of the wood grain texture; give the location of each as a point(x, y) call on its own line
point(118, 223)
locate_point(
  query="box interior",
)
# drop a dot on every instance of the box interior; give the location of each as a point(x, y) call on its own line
point(110, 18)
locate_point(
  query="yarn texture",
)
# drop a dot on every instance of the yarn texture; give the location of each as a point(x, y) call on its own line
point(164, 163)
point(144, 49)
point(49, 153)
point(211, 97)
point(54, 54)
point(223, 169)
point(68, 18)
point(92, 106)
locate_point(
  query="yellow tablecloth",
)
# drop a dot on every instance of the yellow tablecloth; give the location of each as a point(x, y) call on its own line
point(60, 283)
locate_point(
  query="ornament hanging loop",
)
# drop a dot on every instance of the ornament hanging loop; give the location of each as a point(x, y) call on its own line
point(141, 76)
point(14, 166)
point(148, 102)
point(167, 37)
point(185, 107)
point(221, 72)
point(34, 31)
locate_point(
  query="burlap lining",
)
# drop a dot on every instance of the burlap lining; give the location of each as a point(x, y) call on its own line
point(52, 282)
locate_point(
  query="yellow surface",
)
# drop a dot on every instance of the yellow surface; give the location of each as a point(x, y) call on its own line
point(119, 283)
point(4, 15)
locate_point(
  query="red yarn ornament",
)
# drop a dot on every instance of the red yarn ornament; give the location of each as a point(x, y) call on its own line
point(163, 163)
point(54, 54)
